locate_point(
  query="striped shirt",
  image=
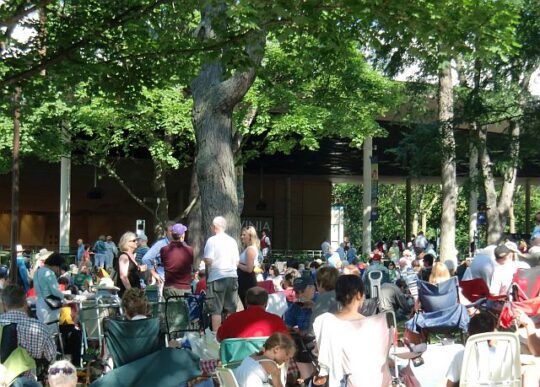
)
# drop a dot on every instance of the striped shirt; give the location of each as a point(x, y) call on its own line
point(32, 334)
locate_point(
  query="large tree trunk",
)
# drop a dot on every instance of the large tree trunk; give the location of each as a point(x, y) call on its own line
point(498, 211)
point(448, 165)
point(510, 174)
point(494, 228)
point(473, 194)
point(15, 174)
point(195, 233)
point(162, 201)
point(214, 99)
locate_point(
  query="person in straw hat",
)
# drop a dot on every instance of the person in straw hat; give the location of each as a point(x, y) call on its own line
point(39, 260)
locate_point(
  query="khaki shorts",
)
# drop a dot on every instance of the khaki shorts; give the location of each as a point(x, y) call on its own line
point(222, 295)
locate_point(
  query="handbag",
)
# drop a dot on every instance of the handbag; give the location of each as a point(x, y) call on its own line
point(53, 302)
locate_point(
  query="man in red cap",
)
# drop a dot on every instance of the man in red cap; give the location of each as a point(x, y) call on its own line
point(177, 261)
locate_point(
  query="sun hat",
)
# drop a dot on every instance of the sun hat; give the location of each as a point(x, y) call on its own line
point(43, 254)
point(106, 283)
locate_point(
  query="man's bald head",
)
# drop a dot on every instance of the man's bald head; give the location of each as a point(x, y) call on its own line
point(257, 296)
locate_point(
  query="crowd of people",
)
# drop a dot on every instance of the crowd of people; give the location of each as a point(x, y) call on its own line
point(329, 308)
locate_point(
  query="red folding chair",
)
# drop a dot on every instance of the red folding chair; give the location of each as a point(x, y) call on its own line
point(477, 289)
point(267, 285)
point(526, 284)
point(474, 289)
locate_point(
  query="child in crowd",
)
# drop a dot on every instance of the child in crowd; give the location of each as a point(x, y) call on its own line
point(276, 278)
point(201, 285)
point(287, 285)
point(393, 272)
point(264, 368)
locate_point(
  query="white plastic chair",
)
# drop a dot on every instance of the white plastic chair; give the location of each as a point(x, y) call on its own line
point(498, 365)
point(226, 377)
point(375, 278)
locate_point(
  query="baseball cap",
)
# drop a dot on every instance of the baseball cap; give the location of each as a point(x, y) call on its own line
point(179, 229)
point(142, 237)
point(512, 246)
point(300, 284)
point(501, 251)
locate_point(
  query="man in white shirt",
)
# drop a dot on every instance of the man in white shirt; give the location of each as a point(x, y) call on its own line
point(482, 265)
point(221, 257)
point(480, 323)
point(421, 242)
point(504, 271)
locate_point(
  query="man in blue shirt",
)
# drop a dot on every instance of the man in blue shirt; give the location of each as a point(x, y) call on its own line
point(80, 250)
point(298, 315)
point(152, 259)
point(23, 270)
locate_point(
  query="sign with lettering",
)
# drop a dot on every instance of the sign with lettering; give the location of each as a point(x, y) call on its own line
point(259, 222)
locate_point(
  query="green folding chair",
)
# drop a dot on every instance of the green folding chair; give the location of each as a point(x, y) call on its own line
point(129, 340)
point(233, 351)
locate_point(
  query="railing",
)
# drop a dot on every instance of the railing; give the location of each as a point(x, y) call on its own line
point(278, 255)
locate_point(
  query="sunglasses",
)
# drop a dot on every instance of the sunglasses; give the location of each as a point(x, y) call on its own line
point(65, 371)
point(133, 240)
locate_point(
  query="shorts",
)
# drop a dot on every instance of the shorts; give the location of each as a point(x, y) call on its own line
point(222, 295)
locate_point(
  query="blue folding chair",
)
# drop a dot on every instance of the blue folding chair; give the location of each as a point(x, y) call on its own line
point(441, 311)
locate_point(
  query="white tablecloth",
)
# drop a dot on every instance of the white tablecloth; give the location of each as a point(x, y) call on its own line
point(437, 359)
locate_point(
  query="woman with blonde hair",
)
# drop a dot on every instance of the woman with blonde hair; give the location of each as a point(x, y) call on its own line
point(125, 265)
point(246, 274)
point(439, 273)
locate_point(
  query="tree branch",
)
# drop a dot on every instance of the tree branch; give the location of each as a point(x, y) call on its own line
point(64, 53)
point(188, 209)
point(22, 12)
point(112, 173)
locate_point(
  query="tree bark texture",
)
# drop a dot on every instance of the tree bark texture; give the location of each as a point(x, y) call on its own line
point(448, 165)
point(473, 194)
point(498, 209)
point(14, 239)
point(162, 201)
point(214, 98)
point(195, 233)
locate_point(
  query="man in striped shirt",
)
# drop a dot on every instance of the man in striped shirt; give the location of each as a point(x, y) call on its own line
point(32, 335)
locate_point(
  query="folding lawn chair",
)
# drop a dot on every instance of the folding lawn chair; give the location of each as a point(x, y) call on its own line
point(129, 340)
point(233, 351)
point(526, 284)
point(441, 311)
point(375, 279)
point(185, 314)
point(497, 365)
point(226, 377)
point(91, 319)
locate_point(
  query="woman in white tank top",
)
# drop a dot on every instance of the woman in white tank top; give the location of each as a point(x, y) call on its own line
point(266, 367)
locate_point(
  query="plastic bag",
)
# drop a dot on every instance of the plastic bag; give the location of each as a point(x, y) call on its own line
point(205, 346)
